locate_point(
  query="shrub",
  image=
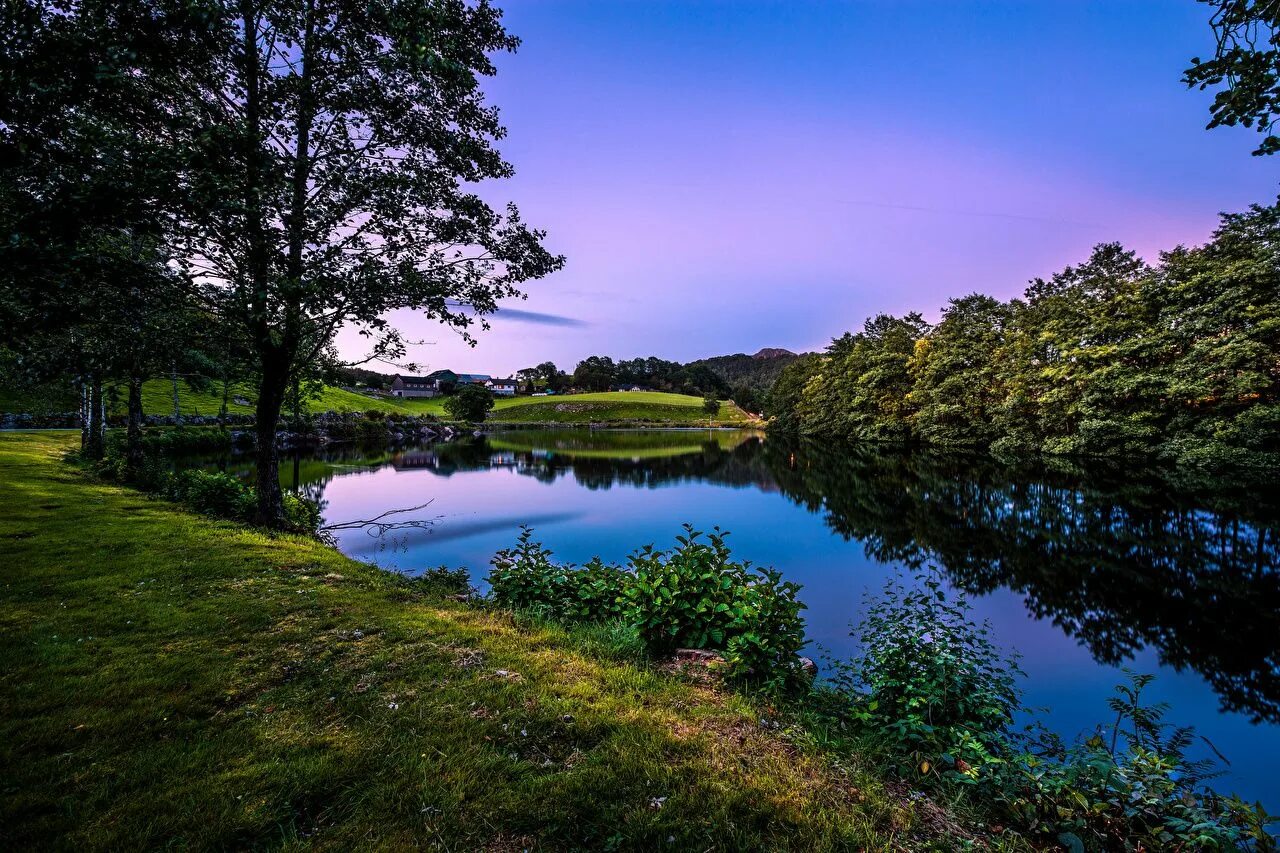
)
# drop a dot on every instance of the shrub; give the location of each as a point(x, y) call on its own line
point(1134, 790)
point(213, 493)
point(371, 429)
point(527, 578)
point(302, 514)
point(596, 592)
point(935, 693)
point(930, 680)
point(470, 403)
point(698, 596)
point(693, 596)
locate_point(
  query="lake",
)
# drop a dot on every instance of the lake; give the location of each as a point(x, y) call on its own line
point(1084, 571)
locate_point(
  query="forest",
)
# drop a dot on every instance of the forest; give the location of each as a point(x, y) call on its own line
point(1177, 360)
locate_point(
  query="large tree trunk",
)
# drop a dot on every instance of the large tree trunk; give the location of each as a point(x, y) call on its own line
point(134, 458)
point(95, 446)
point(275, 379)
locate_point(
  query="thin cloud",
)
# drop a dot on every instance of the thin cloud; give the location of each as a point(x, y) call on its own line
point(538, 318)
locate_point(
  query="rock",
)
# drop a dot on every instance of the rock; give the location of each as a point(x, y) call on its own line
point(702, 657)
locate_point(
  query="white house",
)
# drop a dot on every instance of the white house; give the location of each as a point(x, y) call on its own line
point(502, 387)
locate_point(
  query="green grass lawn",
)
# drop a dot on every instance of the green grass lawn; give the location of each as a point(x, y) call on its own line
point(617, 407)
point(608, 407)
point(174, 681)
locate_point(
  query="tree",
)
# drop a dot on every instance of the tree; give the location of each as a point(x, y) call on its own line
point(528, 377)
point(782, 402)
point(595, 373)
point(1220, 313)
point(471, 403)
point(711, 405)
point(332, 147)
point(861, 390)
point(89, 186)
point(956, 390)
point(1246, 64)
point(747, 397)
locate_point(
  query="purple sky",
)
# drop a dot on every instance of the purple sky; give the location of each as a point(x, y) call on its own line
point(725, 176)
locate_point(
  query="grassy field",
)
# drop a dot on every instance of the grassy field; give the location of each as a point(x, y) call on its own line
point(173, 681)
point(609, 407)
point(157, 399)
point(617, 407)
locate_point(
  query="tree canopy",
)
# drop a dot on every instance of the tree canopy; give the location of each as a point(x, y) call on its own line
point(1113, 356)
point(1245, 68)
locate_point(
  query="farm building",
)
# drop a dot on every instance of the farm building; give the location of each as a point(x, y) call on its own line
point(414, 386)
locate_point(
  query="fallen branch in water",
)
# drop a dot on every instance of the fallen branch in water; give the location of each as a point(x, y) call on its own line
point(378, 526)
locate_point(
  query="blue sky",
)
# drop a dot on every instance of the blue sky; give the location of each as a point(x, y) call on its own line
point(724, 176)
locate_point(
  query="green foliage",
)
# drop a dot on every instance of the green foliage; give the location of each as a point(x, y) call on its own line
point(1111, 357)
point(698, 596)
point(1246, 65)
point(711, 405)
point(693, 596)
point(782, 403)
point(1133, 787)
point(470, 403)
point(527, 578)
point(442, 581)
point(938, 698)
point(956, 388)
point(936, 686)
point(212, 493)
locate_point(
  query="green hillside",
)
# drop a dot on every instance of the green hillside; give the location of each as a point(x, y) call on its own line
point(606, 407)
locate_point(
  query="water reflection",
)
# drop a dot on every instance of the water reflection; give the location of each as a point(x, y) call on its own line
point(1120, 561)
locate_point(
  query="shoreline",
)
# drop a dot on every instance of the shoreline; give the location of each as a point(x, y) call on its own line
point(334, 702)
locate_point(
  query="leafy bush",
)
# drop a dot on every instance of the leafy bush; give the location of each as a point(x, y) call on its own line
point(596, 592)
point(527, 578)
point(371, 429)
point(698, 596)
point(935, 693)
point(213, 493)
point(1134, 790)
point(930, 680)
point(301, 514)
point(173, 440)
point(470, 403)
point(695, 595)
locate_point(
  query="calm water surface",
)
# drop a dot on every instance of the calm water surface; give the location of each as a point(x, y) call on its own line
point(1084, 573)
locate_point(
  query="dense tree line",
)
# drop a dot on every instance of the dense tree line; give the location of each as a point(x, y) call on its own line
point(1179, 359)
point(244, 178)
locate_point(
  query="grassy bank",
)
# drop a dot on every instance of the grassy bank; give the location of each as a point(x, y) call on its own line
point(177, 681)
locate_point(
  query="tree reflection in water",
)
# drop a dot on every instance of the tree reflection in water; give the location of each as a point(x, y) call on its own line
point(1118, 558)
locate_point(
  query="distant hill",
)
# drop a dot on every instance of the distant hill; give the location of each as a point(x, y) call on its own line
point(756, 372)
